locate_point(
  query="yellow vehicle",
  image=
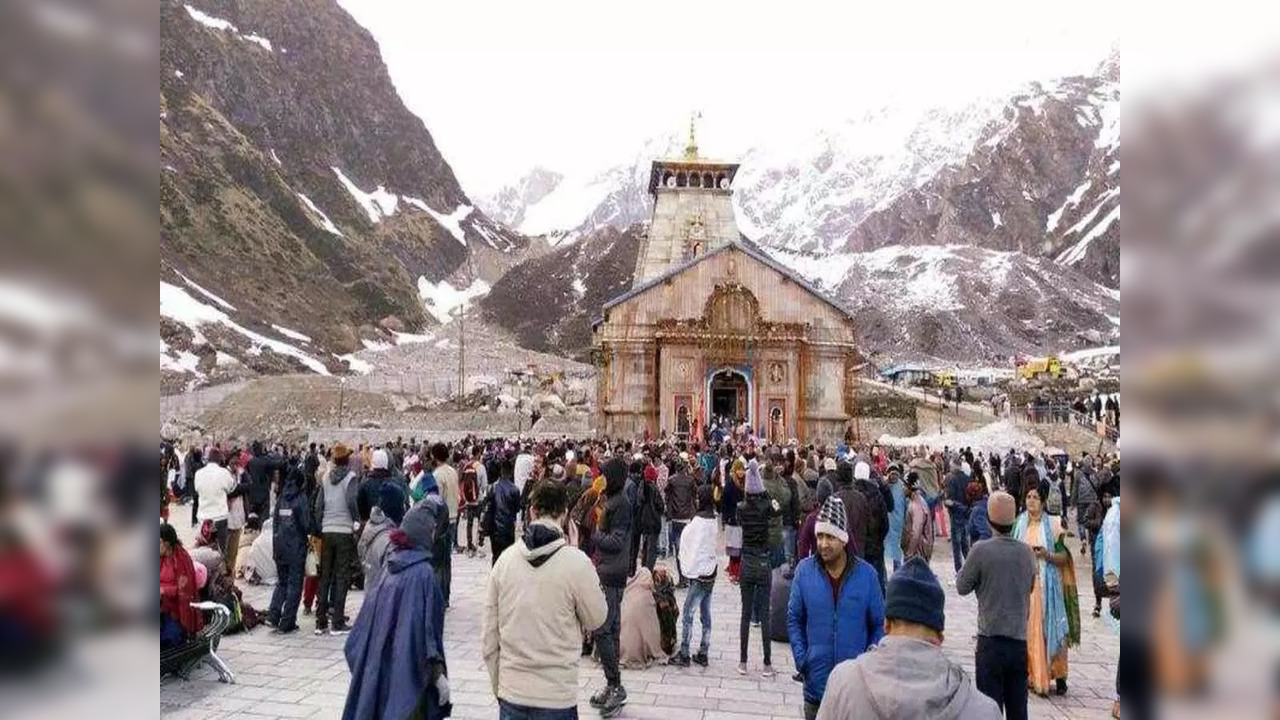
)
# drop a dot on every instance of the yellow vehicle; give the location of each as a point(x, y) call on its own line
point(944, 378)
point(1041, 367)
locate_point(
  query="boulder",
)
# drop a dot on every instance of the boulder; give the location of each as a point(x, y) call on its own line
point(506, 403)
point(1092, 336)
point(392, 324)
point(553, 403)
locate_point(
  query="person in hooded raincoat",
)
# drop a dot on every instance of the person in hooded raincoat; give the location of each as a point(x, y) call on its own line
point(396, 648)
point(289, 547)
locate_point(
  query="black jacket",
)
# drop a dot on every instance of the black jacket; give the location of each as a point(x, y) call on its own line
point(877, 519)
point(261, 470)
point(682, 497)
point(290, 523)
point(612, 538)
point(755, 512)
point(649, 514)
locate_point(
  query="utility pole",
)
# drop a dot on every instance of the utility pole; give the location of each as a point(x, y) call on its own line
point(342, 386)
point(462, 351)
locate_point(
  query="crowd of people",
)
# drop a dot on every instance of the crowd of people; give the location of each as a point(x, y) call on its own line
point(829, 547)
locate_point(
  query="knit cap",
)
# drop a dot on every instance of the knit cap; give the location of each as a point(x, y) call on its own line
point(915, 595)
point(861, 471)
point(832, 520)
point(381, 461)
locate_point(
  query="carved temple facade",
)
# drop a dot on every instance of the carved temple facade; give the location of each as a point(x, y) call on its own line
point(714, 328)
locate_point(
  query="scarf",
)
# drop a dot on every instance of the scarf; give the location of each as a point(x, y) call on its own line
point(1056, 626)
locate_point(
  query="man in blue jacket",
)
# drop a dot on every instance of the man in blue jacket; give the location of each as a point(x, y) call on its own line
point(836, 610)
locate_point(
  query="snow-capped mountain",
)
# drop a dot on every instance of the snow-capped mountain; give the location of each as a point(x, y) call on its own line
point(1018, 172)
point(509, 205)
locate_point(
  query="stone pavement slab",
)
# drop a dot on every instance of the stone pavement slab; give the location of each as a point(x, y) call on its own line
point(305, 676)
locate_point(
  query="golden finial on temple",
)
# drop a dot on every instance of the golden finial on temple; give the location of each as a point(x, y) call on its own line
point(691, 150)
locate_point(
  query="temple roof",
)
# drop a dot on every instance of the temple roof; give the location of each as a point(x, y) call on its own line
point(748, 248)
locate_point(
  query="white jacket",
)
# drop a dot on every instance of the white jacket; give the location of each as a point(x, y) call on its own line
point(538, 605)
point(212, 483)
point(698, 547)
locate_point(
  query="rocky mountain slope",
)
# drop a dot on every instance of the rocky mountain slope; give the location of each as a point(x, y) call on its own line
point(1037, 171)
point(570, 285)
point(303, 207)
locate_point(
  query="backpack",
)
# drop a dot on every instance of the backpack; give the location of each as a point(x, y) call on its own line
point(1053, 503)
point(488, 523)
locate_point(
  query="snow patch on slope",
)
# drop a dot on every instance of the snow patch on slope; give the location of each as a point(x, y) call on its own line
point(324, 220)
point(378, 204)
point(291, 334)
point(178, 305)
point(206, 293)
point(451, 222)
point(442, 299)
point(1076, 252)
point(217, 23)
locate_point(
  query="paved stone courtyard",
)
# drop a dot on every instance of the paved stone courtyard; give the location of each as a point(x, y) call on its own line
point(304, 676)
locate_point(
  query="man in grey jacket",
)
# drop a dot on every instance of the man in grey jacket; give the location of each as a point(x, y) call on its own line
point(906, 675)
point(1002, 570)
point(337, 515)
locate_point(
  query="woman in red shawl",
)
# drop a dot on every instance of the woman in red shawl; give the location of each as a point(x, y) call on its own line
point(178, 582)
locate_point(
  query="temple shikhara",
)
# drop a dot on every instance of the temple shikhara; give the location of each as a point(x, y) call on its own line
point(714, 331)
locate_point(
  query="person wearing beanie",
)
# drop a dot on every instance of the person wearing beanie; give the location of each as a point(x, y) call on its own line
point(699, 559)
point(612, 543)
point(396, 651)
point(836, 609)
point(648, 516)
point(1002, 571)
point(756, 512)
point(808, 540)
point(906, 675)
point(877, 519)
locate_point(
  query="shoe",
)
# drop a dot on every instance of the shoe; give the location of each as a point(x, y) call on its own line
point(742, 668)
point(601, 697)
point(284, 631)
point(339, 630)
point(679, 660)
point(322, 631)
point(1061, 687)
point(798, 677)
point(755, 623)
point(768, 672)
point(700, 659)
point(614, 703)
point(1097, 611)
point(269, 622)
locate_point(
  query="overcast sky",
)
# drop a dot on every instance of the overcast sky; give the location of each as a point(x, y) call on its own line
point(503, 86)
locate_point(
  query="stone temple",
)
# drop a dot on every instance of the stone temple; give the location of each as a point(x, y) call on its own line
point(715, 328)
